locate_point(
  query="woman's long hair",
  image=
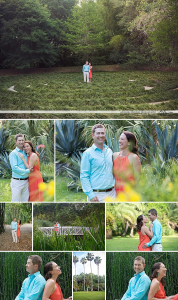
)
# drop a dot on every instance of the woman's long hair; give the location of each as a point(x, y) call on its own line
point(139, 223)
point(155, 271)
point(19, 222)
point(32, 147)
point(133, 142)
point(47, 271)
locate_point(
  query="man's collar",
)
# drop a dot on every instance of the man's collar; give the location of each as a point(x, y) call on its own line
point(35, 274)
point(95, 147)
point(154, 221)
point(19, 149)
point(139, 274)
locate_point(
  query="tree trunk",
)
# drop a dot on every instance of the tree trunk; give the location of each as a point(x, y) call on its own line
point(2, 215)
point(125, 230)
point(132, 231)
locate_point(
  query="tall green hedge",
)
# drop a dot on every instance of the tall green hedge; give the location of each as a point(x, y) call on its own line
point(119, 270)
point(13, 271)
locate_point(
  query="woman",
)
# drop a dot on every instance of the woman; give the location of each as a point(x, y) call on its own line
point(145, 234)
point(90, 74)
point(52, 289)
point(18, 230)
point(127, 166)
point(157, 283)
point(35, 177)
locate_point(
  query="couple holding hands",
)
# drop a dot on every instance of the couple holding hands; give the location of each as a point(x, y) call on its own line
point(106, 174)
point(37, 287)
point(26, 175)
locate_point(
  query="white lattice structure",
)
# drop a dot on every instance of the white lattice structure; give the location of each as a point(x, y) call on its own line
point(67, 230)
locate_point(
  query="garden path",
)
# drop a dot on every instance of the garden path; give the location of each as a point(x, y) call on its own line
point(25, 244)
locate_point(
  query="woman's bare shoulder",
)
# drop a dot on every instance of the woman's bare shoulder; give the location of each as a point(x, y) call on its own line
point(115, 155)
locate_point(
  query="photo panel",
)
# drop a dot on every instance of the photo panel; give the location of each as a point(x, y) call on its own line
point(21, 264)
point(140, 161)
point(27, 161)
point(69, 227)
point(15, 226)
point(89, 272)
point(133, 274)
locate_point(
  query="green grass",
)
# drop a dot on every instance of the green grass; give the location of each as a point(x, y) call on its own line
point(6, 195)
point(64, 195)
point(169, 243)
point(89, 296)
point(108, 91)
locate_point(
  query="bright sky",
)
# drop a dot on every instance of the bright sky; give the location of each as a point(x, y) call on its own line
point(79, 266)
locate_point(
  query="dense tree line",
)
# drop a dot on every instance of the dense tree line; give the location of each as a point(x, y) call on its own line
point(39, 33)
point(79, 282)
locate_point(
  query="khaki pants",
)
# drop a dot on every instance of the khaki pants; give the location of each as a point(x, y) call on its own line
point(102, 195)
point(14, 235)
point(20, 191)
point(86, 75)
point(157, 247)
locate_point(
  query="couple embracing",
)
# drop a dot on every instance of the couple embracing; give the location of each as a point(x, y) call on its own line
point(106, 174)
point(26, 175)
point(150, 238)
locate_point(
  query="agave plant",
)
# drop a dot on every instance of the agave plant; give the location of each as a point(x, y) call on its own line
point(73, 171)
point(5, 167)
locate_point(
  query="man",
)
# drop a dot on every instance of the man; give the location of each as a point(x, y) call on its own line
point(139, 284)
point(86, 71)
point(33, 286)
point(14, 230)
point(19, 181)
point(157, 232)
point(96, 168)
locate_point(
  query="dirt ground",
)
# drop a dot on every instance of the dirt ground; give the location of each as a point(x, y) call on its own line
point(25, 244)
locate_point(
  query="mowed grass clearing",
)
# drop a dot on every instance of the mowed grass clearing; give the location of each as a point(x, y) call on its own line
point(123, 90)
point(117, 243)
point(65, 195)
point(89, 296)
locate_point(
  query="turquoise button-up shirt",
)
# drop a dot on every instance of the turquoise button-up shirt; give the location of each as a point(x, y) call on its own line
point(96, 170)
point(157, 233)
point(32, 287)
point(138, 287)
point(18, 168)
point(14, 225)
point(86, 68)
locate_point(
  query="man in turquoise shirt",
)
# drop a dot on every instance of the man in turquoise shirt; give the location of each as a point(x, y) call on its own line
point(14, 230)
point(96, 168)
point(157, 232)
point(139, 284)
point(86, 71)
point(19, 181)
point(33, 286)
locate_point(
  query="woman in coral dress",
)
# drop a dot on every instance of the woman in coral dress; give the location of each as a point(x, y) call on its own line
point(90, 74)
point(35, 177)
point(157, 283)
point(52, 288)
point(144, 233)
point(18, 230)
point(127, 166)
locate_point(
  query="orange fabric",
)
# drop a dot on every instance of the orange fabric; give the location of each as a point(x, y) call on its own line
point(161, 293)
point(123, 173)
point(35, 178)
point(176, 297)
point(18, 231)
point(57, 295)
point(90, 74)
point(143, 239)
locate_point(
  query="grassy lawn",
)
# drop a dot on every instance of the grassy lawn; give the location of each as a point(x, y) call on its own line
point(108, 91)
point(169, 243)
point(64, 195)
point(5, 192)
point(89, 296)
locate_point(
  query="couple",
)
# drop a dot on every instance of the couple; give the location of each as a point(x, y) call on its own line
point(15, 227)
point(98, 163)
point(87, 72)
point(26, 175)
point(141, 287)
point(150, 239)
point(36, 287)
point(56, 227)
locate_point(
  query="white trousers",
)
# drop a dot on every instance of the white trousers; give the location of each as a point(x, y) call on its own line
point(14, 235)
point(157, 247)
point(102, 195)
point(20, 191)
point(86, 75)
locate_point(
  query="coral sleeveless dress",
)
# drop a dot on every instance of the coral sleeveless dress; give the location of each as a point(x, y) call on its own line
point(35, 178)
point(57, 295)
point(18, 231)
point(123, 173)
point(90, 74)
point(143, 239)
point(161, 293)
